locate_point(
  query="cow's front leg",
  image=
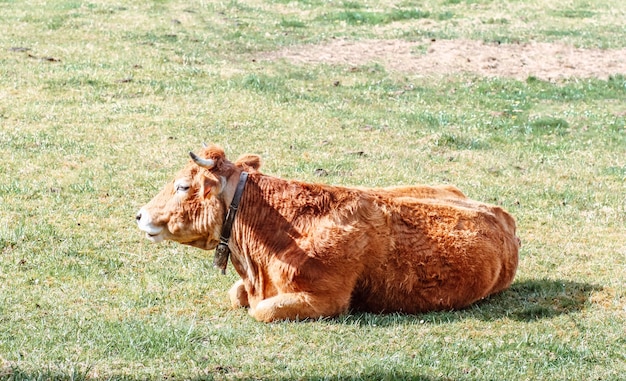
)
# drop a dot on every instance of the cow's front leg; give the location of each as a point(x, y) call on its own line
point(298, 306)
point(238, 295)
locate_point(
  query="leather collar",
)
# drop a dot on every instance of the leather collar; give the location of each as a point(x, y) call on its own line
point(222, 251)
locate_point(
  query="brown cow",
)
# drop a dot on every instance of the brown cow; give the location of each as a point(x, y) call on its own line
point(311, 250)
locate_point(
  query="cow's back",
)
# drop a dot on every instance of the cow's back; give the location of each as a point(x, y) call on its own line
point(446, 253)
point(417, 191)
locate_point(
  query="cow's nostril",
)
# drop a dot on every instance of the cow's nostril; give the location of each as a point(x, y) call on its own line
point(138, 216)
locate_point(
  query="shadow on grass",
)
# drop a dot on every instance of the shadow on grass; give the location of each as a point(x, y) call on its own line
point(526, 300)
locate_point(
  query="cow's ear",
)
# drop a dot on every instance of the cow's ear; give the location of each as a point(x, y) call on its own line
point(249, 162)
point(210, 186)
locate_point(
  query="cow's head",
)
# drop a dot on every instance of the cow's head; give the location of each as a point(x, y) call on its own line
point(191, 208)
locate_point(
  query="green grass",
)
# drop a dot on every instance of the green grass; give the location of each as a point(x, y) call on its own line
point(101, 101)
point(376, 18)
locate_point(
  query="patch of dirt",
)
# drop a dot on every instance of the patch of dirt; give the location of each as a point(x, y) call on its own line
point(546, 61)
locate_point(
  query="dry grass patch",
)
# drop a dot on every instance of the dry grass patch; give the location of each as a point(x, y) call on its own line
point(545, 61)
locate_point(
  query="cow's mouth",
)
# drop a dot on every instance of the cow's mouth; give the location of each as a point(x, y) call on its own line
point(152, 233)
point(156, 238)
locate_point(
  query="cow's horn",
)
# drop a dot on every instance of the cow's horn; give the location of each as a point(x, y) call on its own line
point(205, 163)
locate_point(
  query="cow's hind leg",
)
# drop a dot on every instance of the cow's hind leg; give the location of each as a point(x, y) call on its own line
point(297, 306)
point(238, 295)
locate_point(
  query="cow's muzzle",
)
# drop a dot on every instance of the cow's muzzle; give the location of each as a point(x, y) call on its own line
point(144, 221)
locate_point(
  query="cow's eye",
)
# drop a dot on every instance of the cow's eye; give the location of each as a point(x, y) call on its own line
point(182, 188)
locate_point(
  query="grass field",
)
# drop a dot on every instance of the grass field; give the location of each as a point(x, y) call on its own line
point(100, 101)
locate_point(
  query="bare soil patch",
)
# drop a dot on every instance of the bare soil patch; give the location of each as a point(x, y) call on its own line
point(546, 61)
